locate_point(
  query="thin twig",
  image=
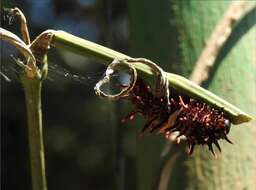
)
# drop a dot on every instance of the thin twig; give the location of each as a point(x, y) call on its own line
point(166, 172)
point(31, 68)
point(32, 90)
point(23, 25)
point(32, 82)
point(216, 41)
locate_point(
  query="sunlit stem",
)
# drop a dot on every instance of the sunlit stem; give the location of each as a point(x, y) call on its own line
point(105, 55)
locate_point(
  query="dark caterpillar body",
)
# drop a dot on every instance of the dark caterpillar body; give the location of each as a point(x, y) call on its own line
point(198, 122)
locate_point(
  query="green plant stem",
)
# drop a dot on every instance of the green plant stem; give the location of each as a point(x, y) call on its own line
point(32, 89)
point(105, 55)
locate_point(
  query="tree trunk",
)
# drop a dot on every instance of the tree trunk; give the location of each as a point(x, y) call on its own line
point(153, 35)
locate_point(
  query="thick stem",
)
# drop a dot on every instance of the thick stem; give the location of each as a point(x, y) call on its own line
point(32, 89)
point(84, 47)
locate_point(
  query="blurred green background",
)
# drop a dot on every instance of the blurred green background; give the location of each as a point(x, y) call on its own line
point(81, 144)
point(86, 145)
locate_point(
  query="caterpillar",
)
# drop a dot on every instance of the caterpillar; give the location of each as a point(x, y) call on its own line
point(200, 123)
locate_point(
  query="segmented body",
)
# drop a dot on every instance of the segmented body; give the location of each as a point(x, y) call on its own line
point(199, 123)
